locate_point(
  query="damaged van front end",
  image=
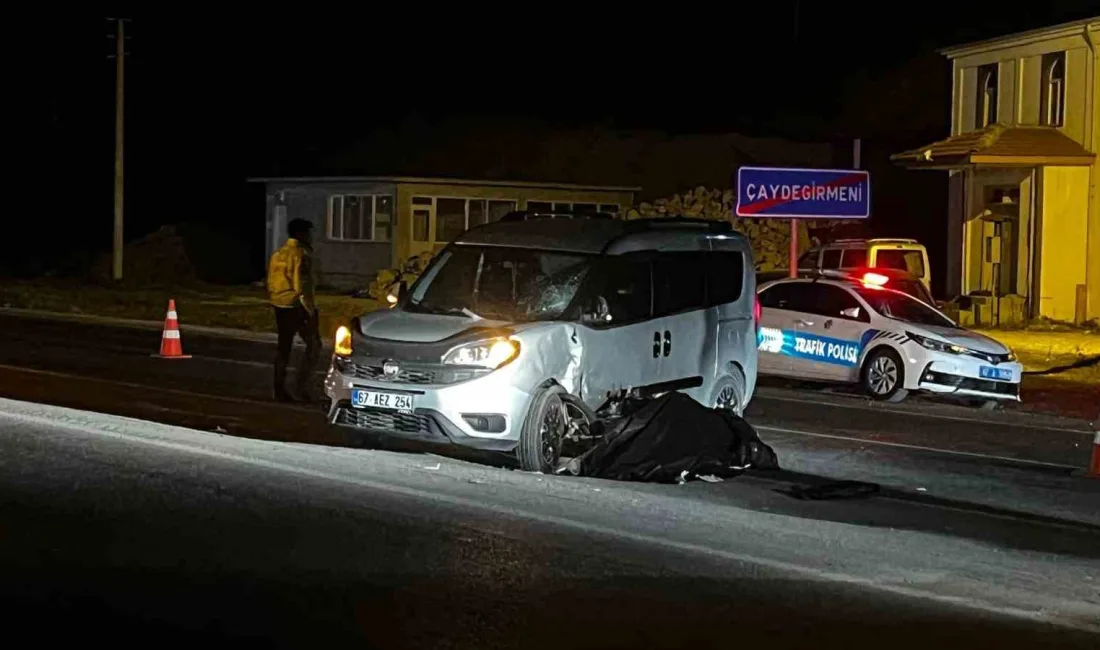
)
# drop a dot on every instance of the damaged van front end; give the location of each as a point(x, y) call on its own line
point(448, 379)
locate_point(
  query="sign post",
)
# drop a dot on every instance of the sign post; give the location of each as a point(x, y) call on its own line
point(788, 193)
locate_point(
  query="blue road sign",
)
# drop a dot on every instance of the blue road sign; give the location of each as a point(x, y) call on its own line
point(786, 193)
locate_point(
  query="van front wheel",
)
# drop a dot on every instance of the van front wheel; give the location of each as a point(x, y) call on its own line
point(543, 434)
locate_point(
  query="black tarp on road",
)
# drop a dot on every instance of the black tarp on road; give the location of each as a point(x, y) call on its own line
point(673, 438)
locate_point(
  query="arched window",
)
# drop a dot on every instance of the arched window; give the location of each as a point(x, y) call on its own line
point(986, 103)
point(1054, 89)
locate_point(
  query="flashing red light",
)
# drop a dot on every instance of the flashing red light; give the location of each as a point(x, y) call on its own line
point(757, 312)
point(875, 279)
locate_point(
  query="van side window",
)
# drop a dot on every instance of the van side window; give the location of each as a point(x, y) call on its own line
point(789, 296)
point(679, 282)
point(903, 260)
point(625, 283)
point(830, 259)
point(725, 276)
point(854, 258)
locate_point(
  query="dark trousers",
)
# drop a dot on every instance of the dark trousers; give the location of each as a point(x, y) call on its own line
point(291, 321)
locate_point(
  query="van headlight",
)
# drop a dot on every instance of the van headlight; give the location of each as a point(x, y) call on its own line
point(491, 354)
point(342, 345)
point(938, 346)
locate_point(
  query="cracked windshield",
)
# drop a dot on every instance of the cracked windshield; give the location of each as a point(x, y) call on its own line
point(508, 284)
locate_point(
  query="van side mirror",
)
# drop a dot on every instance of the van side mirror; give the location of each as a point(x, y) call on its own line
point(598, 313)
point(397, 295)
point(851, 312)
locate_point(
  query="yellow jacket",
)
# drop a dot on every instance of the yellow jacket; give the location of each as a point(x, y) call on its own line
point(290, 276)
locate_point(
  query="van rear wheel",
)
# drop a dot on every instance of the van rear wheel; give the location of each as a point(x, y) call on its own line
point(543, 434)
point(730, 394)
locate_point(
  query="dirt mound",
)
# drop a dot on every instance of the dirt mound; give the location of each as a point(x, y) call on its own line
point(158, 259)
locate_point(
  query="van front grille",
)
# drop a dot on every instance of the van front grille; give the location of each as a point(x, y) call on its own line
point(379, 420)
point(375, 373)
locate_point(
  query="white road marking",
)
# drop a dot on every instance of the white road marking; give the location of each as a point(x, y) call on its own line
point(968, 454)
point(903, 411)
point(1037, 614)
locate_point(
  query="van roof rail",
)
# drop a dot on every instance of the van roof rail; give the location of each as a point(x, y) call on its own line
point(857, 240)
point(529, 215)
point(656, 223)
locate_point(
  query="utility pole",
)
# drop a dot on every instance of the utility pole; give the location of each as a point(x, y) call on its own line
point(120, 58)
point(792, 250)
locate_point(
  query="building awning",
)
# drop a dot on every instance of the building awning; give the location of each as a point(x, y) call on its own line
point(1020, 146)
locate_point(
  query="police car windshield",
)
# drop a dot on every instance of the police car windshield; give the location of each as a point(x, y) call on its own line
point(499, 283)
point(900, 306)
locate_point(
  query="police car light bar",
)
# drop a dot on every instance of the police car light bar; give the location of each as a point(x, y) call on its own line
point(875, 279)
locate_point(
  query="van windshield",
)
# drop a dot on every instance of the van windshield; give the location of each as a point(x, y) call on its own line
point(499, 283)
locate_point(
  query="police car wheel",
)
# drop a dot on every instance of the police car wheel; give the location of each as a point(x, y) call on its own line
point(884, 376)
point(543, 434)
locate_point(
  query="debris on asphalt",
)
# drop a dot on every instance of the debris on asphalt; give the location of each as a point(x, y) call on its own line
point(671, 439)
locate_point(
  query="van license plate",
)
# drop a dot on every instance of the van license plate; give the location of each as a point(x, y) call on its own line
point(1000, 374)
point(373, 399)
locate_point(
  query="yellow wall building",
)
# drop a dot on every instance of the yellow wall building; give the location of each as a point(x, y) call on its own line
point(1024, 210)
point(366, 223)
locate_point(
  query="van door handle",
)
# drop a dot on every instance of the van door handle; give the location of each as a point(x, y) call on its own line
point(656, 344)
point(668, 342)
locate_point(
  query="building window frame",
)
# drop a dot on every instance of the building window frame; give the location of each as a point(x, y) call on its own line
point(336, 215)
point(610, 208)
point(432, 202)
point(985, 102)
point(1052, 103)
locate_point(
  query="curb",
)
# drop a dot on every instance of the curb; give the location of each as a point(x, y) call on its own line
point(132, 323)
point(931, 408)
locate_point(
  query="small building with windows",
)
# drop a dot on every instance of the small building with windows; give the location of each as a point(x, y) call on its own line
point(1023, 235)
point(364, 224)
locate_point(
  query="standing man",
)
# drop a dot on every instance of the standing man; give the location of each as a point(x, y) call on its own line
point(290, 285)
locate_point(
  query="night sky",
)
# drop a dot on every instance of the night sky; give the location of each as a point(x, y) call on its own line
point(213, 98)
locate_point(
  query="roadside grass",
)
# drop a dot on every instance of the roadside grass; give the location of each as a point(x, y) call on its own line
point(1040, 350)
point(238, 307)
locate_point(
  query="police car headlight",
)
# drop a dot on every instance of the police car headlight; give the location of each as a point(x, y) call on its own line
point(938, 346)
point(491, 354)
point(1011, 356)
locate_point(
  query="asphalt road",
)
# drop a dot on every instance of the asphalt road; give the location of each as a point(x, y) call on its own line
point(129, 531)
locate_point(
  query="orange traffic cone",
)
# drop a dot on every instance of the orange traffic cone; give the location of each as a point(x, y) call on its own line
point(171, 347)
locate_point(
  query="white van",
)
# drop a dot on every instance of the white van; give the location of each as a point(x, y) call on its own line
point(519, 331)
point(902, 254)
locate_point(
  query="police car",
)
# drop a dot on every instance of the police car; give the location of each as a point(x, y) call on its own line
point(861, 331)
